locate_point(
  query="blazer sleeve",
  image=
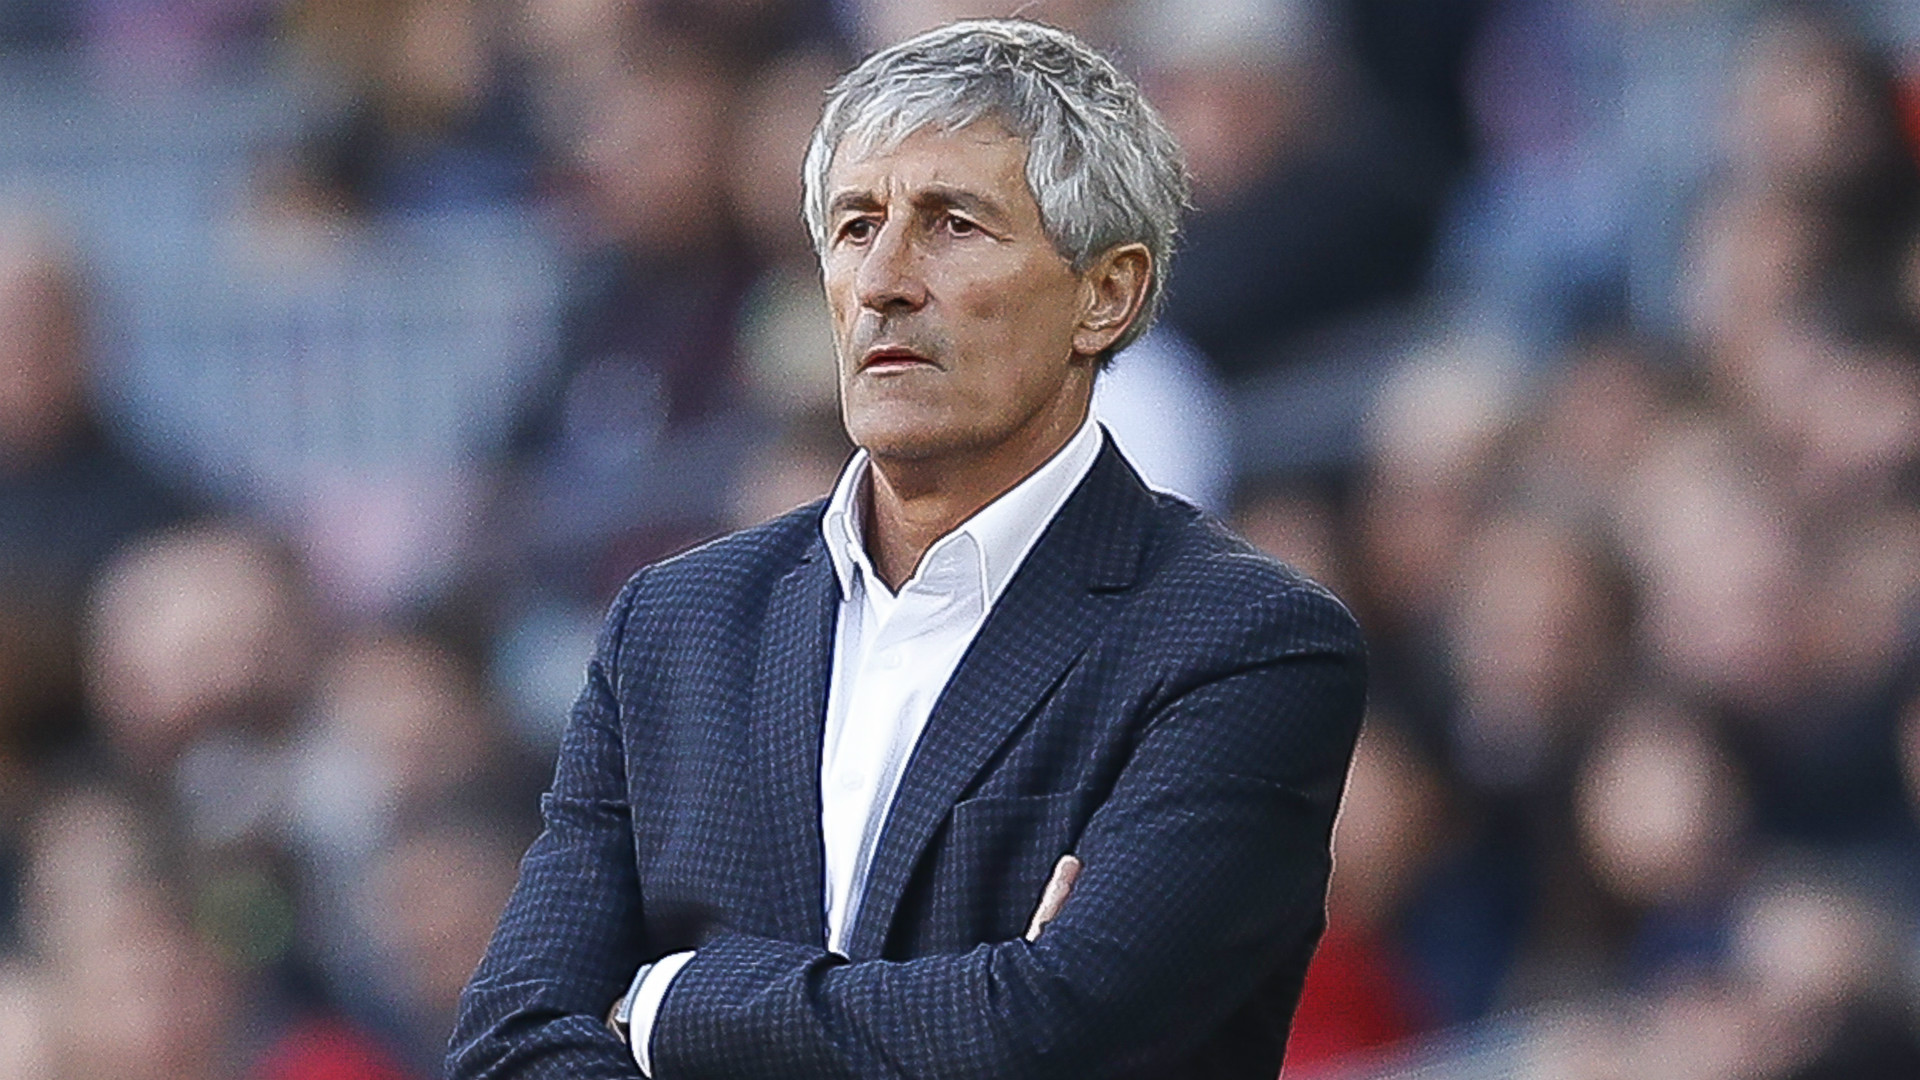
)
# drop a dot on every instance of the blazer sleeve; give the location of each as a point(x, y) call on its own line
point(1204, 883)
point(569, 939)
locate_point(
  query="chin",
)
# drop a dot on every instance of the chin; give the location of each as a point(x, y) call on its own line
point(900, 431)
point(905, 442)
point(901, 445)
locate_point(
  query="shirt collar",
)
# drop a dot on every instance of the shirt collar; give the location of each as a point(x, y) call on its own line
point(1001, 532)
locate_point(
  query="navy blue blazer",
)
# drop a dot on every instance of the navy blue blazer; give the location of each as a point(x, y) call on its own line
point(1150, 694)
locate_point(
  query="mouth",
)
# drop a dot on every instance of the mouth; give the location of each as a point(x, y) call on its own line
point(882, 359)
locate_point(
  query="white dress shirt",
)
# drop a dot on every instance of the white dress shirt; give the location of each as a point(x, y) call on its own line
point(893, 654)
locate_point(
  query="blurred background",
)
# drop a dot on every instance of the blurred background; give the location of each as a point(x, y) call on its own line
point(352, 352)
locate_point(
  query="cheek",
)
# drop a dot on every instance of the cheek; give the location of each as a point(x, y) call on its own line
point(1033, 308)
point(842, 313)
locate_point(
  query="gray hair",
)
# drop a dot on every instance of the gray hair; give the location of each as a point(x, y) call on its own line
point(1100, 163)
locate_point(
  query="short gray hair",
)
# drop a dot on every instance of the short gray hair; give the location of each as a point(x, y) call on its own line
point(1100, 162)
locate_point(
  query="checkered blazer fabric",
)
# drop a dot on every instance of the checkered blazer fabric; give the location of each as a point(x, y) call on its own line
point(1149, 694)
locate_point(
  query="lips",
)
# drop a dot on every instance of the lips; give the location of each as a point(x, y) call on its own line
point(884, 358)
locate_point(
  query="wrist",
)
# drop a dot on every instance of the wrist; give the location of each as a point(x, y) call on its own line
point(620, 1016)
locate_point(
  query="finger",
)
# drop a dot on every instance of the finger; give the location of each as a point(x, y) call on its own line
point(1054, 896)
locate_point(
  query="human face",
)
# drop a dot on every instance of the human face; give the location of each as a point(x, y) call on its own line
point(954, 316)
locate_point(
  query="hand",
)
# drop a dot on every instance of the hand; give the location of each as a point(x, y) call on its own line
point(1054, 896)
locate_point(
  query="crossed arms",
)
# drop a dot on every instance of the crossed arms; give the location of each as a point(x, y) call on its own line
point(1187, 933)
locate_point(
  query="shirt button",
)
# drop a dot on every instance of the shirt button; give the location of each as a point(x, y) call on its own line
point(891, 659)
point(850, 781)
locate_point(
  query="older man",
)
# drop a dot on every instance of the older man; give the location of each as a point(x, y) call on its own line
point(823, 801)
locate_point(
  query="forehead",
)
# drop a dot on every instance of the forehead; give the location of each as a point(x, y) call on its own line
point(981, 158)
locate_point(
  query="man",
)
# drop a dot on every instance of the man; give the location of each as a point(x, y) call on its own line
point(825, 769)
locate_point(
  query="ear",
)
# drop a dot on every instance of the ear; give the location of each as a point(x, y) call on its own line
point(1112, 291)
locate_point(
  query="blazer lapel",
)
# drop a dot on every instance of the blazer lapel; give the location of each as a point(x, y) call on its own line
point(789, 707)
point(1042, 622)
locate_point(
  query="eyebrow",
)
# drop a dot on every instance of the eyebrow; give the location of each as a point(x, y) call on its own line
point(852, 200)
point(942, 196)
point(935, 196)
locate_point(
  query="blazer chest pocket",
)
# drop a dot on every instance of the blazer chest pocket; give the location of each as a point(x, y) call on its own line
point(994, 861)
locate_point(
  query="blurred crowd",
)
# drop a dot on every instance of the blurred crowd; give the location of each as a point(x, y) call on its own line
point(352, 352)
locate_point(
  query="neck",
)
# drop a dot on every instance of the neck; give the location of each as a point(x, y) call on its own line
point(912, 503)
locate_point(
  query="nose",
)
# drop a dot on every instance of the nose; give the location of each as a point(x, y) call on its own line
point(890, 277)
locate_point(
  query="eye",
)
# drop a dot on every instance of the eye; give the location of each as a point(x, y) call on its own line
point(960, 226)
point(857, 230)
